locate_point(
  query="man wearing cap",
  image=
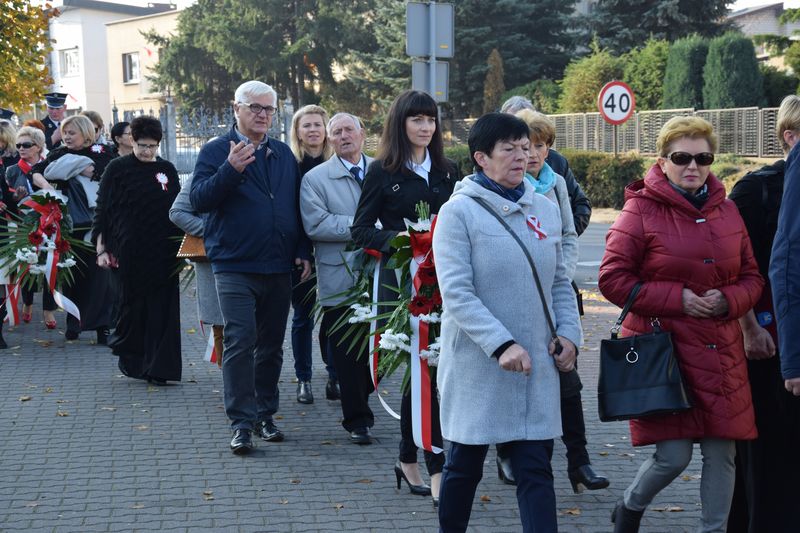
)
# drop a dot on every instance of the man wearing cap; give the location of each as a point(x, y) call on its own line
point(6, 114)
point(56, 105)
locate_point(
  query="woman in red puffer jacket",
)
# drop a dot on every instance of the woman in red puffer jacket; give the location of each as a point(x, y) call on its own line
point(679, 236)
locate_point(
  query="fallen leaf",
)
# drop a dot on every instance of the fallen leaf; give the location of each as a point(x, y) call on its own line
point(573, 511)
point(208, 495)
point(668, 509)
point(191, 381)
point(364, 481)
point(326, 443)
point(626, 454)
point(49, 389)
point(485, 498)
point(62, 401)
point(294, 481)
point(283, 501)
point(191, 330)
point(108, 408)
point(690, 478)
point(302, 413)
point(603, 454)
point(215, 391)
point(59, 412)
point(278, 417)
point(137, 506)
point(384, 392)
point(151, 388)
point(32, 504)
point(141, 428)
point(338, 506)
point(43, 343)
point(24, 398)
point(610, 445)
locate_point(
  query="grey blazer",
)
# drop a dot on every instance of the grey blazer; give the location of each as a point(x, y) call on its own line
point(329, 196)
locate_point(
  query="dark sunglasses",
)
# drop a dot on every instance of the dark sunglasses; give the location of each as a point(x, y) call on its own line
point(25, 145)
point(703, 159)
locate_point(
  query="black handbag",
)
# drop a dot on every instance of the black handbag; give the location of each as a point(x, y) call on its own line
point(639, 375)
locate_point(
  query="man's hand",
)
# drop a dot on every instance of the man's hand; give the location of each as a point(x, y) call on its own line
point(696, 306)
point(515, 359)
point(56, 137)
point(793, 386)
point(758, 343)
point(241, 155)
point(565, 361)
point(306, 273)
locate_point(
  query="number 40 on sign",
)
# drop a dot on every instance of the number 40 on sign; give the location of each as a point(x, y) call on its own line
point(616, 102)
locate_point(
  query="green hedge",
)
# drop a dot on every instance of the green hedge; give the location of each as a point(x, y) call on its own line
point(460, 154)
point(603, 177)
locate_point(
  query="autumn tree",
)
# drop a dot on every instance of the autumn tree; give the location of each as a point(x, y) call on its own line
point(493, 86)
point(583, 79)
point(24, 46)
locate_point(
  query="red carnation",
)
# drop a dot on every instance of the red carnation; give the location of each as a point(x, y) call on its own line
point(427, 274)
point(50, 229)
point(35, 238)
point(62, 246)
point(420, 305)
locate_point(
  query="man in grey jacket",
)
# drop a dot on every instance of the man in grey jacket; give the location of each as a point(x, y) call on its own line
point(329, 195)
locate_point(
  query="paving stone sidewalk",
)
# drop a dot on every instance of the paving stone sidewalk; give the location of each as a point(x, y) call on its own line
point(85, 449)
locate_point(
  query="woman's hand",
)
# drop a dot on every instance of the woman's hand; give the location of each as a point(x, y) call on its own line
point(718, 301)
point(758, 343)
point(697, 306)
point(88, 171)
point(106, 260)
point(565, 361)
point(515, 359)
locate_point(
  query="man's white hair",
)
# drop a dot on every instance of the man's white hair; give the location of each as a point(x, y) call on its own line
point(253, 89)
point(516, 103)
point(339, 116)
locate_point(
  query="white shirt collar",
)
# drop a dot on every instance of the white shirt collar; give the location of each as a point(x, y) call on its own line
point(422, 169)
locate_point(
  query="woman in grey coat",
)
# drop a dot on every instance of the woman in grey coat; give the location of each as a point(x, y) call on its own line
point(498, 368)
point(186, 218)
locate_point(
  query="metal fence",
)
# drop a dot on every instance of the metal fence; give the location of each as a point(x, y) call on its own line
point(747, 131)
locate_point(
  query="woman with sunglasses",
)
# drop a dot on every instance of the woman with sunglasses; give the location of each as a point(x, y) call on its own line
point(30, 145)
point(688, 245)
point(91, 288)
point(133, 234)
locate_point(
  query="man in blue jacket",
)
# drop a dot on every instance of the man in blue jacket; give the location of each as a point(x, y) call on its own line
point(248, 185)
point(784, 273)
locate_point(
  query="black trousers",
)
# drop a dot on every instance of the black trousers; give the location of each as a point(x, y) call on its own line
point(408, 450)
point(48, 303)
point(352, 370)
point(768, 468)
point(530, 461)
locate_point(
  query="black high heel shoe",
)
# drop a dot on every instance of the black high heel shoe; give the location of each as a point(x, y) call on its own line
point(419, 490)
point(585, 478)
point(504, 471)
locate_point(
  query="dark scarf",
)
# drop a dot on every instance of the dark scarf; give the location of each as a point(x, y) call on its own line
point(698, 199)
point(509, 194)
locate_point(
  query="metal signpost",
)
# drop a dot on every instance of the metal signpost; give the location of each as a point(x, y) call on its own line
point(616, 104)
point(429, 33)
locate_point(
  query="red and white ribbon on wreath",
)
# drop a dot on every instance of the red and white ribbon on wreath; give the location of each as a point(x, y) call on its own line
point(50, 218)
point(211, 354)
point(12, 295)
point(373, 326)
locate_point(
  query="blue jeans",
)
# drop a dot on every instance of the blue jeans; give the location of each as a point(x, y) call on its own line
point(255, 308)
point(303, 300)
point(530, 462)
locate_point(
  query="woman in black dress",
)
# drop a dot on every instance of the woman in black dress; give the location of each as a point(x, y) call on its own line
point(91, 287)
point(409, 167)
point(133, 234)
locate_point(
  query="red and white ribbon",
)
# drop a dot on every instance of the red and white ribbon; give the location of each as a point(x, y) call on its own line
point(536, 226)
point(376, 337)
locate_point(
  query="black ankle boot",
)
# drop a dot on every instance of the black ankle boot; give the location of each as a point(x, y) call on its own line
point(3, 344)
point(625, 520)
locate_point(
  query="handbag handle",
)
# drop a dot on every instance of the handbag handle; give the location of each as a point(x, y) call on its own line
point(553, 334)
point(618, 324)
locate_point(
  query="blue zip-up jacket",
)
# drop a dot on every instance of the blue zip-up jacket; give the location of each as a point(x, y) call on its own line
point(252, 220)
point(784, 269)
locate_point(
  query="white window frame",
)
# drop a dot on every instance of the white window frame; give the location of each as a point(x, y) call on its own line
point(131, 68)
point(69, 62)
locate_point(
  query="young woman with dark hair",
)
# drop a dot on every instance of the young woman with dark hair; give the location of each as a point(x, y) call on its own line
point(410, 167)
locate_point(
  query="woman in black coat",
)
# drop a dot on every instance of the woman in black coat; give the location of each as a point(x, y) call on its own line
point(133, 234)
point(91, 287)
point(409, 167)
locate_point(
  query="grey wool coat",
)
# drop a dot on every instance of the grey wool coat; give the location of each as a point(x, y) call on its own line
point(489, 297)
point(183, 215)
point(329, 196)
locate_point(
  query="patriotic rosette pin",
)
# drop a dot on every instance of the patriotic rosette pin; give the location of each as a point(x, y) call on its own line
point(161, 178)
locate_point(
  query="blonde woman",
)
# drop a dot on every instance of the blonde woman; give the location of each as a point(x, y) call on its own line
point(309, 143)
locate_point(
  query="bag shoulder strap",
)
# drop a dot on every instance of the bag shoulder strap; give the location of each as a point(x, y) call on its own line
point(550, 324)
point(634, 291)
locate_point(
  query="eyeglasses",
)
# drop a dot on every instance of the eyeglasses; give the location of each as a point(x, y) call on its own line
point(256, 109)
point(147, 146)
point(25, 145)
point(703, 159)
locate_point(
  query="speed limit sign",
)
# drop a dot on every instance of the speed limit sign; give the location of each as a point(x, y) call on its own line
point(616, 102)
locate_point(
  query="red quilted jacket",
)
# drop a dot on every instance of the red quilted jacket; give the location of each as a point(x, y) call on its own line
point(664, 241)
